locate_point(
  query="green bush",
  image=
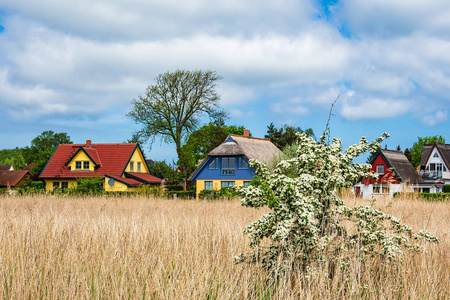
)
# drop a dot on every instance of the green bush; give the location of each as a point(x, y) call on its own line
point(430, 197)
point(181, 194)
point(446, 188)
point(223, 193)
point(174, 187)
point(88, 185)
point(150, 190)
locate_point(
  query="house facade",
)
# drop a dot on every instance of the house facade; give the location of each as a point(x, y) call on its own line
point(228, 164)
point(435, 167)
point(122, 166)
point(396, 174)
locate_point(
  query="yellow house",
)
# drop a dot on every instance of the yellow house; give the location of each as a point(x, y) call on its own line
point(122, 166)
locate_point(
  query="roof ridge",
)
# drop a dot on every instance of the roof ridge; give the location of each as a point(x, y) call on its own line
point(249, 137)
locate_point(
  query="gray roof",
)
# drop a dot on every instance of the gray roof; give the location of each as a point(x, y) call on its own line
point(252, 148)
point(401, 165)
point(444, 150)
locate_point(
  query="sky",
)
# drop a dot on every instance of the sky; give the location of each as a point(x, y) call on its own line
point(75, 66)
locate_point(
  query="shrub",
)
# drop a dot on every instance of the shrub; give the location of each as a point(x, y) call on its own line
point(174, 187)
point(223, 193)
point(88, 185)
point(446, 188)
point(305, 226)
point(151, 190)
point(181, 194)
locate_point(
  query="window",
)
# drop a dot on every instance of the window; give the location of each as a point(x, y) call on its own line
point(435, 154)
point(85, 165)
point(138, 165)
point(246, 183)
point(55, 185)
point(78, 165)
point(132, 166)
point(242, 163)
point(380, 169)
point(381, 189)
point(208, 185)
point(227, 184)
point(64, 186)
point(228, 165)
point(213, 164)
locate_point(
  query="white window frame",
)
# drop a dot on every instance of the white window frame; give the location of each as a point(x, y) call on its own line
point(226, 169)
point(378, 169)
point(207, 183)
point(227, 184)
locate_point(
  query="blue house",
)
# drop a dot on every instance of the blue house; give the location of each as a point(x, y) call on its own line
point(227, 165)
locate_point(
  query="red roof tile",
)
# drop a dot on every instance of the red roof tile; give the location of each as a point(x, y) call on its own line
point(127, 181)
point(111, 158)
point(144, 177)
point(11, 178)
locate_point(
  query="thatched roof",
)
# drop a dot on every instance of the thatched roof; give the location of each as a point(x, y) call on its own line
point(252, 148)
point(444, 150)
point(401, 166)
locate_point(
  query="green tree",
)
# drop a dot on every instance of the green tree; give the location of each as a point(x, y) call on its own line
point(416, 149)
point(286, 135)
point(172, 106)
point(407, 154)
point(42, 148)
point(13, 157)
point(204, 140)
point(160, 169)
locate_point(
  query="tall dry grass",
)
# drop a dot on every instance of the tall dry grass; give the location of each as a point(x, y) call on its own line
point(104, 247)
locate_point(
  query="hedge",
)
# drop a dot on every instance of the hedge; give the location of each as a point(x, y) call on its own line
point(430, 197)
point(181, 194)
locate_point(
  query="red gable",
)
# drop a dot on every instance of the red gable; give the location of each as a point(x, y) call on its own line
point(388, 177)
point(110, 158)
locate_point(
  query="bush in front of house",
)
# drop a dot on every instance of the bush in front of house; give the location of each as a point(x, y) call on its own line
point(223, 193)
point(446, 188)
point(88, 186)
point(430, 197)
point(181, 194)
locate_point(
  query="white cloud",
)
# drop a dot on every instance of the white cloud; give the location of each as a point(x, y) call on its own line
point(434, 119)
point(359, 108)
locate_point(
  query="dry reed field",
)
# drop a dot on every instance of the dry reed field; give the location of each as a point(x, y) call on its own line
point(135, 247)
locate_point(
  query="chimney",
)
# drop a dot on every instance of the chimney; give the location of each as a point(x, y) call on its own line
point(246, 132)
point(88, 143)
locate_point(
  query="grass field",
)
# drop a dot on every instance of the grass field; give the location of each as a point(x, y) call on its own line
point(163, 249)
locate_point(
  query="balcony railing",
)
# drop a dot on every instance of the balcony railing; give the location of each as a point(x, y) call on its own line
point(434, 174)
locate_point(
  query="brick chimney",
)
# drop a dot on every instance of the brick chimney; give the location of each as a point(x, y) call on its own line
point(88, 143)
point(246, 132)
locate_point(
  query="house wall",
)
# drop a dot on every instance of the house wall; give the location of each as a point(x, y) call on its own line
point(216, 174)
point(217, 184)
point(367, 191)
point(49, 183)
point(135, 158)
point(117, 187)
point(388, 177)
point(81, 156)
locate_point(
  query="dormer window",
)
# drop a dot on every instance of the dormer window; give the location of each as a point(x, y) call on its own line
point(132, 166)
point(78, 165)
point(228, 165)
point(138, 165)
point(85, 165)
point(380, 169)
point(242, 163)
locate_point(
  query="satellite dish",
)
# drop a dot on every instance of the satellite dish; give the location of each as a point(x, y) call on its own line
point(111, 181)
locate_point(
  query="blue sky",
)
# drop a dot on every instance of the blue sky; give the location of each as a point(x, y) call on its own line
point(75, 66)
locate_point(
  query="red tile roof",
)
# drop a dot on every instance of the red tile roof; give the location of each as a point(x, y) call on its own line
point(11, 178)
point(144, 177)
point(127, 181)
point(111, 158)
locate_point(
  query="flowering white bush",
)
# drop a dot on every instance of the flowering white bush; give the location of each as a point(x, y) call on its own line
point(306, 221)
